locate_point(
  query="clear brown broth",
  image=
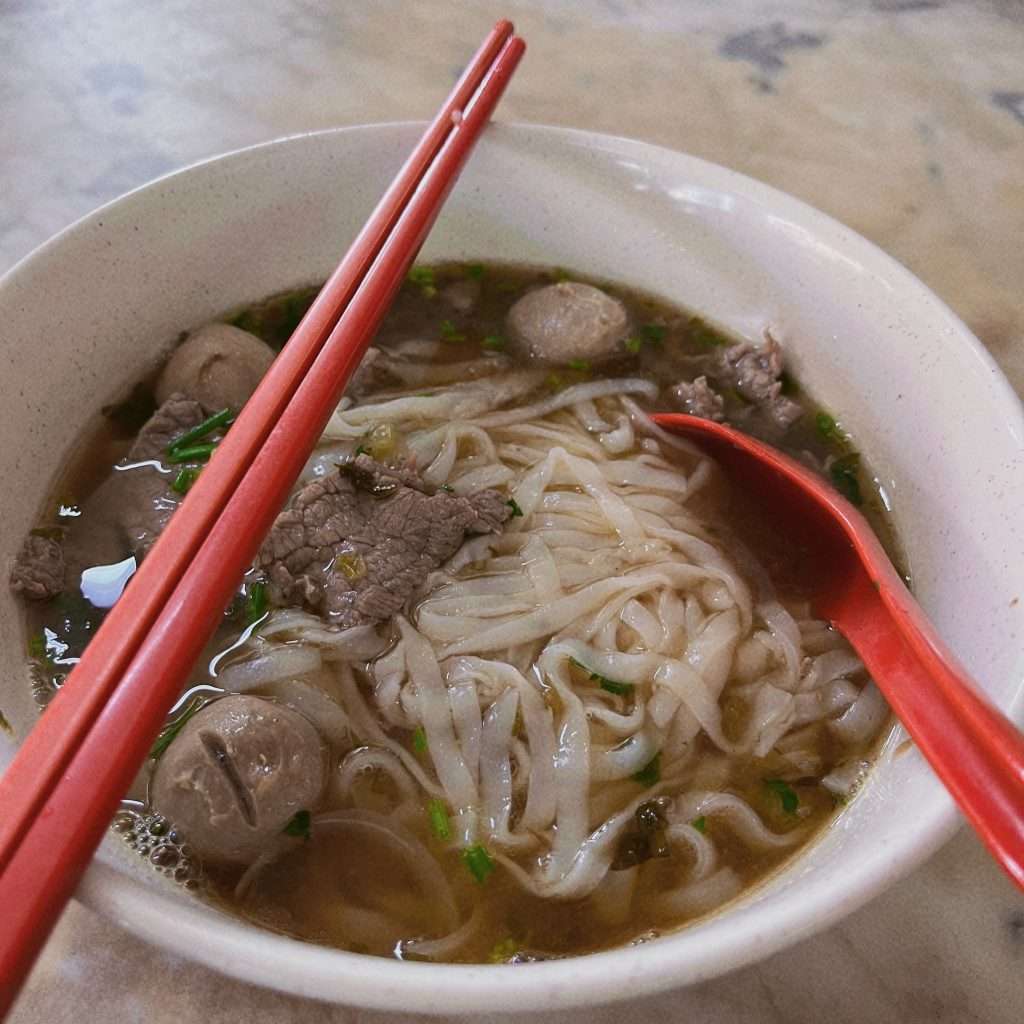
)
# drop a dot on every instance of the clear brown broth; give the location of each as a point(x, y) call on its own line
point(304, 893)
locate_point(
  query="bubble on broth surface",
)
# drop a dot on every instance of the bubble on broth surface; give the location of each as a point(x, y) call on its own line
point(155, 839)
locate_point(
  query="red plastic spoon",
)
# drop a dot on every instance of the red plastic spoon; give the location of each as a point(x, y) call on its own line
point(974, 749)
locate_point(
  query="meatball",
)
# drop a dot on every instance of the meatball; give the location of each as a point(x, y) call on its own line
point(567, 321)
point(218, 366)
point(235, 776)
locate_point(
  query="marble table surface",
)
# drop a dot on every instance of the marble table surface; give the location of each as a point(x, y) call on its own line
point(903, 118)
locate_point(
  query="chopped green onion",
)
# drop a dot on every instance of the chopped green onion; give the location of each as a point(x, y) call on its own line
point(380, 442)
point(419, 740)
point(184, 480)
point(475, 270)
point(37, 645)
point(650, 773)
point(197, 433)
point(705, 335)
point(611, 685)
point(700, 824)
point(844, 476)
point(360, 449)
point(494, 343)
point(653, 334)
point(580, 365)
point(352, 566)
point(423, 278)
point(619, 689)
point(299, 826)
point(449, 332)
point(827, 427)
point(503, 951)
point(479, 862)
point(517, 512)
point(633, 345)
point(437, 812)
point(168, 733)
point(786, 794)
point(256, 603)
point(194, 453)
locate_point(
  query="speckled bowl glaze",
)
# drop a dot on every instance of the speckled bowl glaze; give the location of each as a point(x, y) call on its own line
point(92, 309)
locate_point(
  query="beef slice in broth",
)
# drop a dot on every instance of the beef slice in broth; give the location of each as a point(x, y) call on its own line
point(355, 545)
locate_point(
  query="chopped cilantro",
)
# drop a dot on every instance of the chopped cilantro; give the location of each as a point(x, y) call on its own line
point(419, 740)
point(479, 862)
point(844, 473)
point(517, 512)
point(619, 689)
point(437, 812)
point(580, 365)
point(633, 344)
point(650, 774)
point(360, 449)
point(449, 332)
point(170, 731)
point(299, 826)
point(700, 824)
point(494, 343)
point(786, 794)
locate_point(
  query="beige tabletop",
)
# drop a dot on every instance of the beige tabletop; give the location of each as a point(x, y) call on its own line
point(903, 118)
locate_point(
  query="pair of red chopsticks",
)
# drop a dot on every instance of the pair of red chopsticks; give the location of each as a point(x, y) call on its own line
point(64, 785)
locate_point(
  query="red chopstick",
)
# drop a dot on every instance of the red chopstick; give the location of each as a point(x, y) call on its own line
point(44, 753)
point(94, 744)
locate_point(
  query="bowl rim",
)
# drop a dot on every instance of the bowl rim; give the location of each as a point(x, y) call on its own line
point(244, 951)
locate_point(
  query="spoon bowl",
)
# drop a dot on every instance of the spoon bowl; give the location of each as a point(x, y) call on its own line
point(975, 750)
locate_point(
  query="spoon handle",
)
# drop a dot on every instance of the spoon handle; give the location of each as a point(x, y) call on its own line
point(975, 750)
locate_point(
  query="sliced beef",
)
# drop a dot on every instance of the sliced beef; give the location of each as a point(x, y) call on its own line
point(38, 570)
point(139, 499)
point(567, 321)
point(756, 374)
point(699, 398)
point(218, 365)
point(354, 546)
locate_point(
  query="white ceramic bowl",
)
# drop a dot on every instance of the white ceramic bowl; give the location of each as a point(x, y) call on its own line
point(88, 312)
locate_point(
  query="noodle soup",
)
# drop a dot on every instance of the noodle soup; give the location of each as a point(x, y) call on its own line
point(516, 675)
